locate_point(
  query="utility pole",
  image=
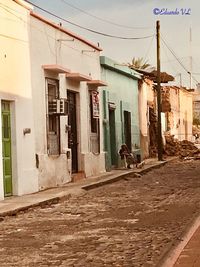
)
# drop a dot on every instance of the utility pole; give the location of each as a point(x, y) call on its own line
point(180, 79)
point(190, 58)
point(159, 126)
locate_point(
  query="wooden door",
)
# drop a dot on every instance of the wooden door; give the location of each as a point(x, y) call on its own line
point(127, 129)
point(72, 134)
point(113, 150)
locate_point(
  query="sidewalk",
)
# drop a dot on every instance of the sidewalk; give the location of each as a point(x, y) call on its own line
point(15, 204)
point(190, 255)
point(187, 252)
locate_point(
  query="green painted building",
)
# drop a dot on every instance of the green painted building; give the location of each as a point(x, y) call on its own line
point(120, 110)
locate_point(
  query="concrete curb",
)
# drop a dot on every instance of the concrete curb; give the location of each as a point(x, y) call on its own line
point(109, 180)
point(121, 176)
point(171, 254)
point(14, 212)
point(30, 201)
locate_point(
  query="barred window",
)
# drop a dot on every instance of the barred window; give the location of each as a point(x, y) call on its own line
point(52, 120)
point(94, 122)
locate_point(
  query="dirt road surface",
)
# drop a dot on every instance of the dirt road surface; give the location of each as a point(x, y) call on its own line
point(129, 223)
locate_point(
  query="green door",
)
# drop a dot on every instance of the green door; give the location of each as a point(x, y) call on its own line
point(113, 149)
point(6, 145)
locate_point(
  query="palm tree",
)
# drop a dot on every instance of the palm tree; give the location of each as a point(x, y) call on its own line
point(139, 63)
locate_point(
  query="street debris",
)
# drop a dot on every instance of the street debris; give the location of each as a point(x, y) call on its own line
point(184, 149)
point(141, 165)
point(136, 175)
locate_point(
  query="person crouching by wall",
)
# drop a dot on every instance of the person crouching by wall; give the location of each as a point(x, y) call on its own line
point(127, 157)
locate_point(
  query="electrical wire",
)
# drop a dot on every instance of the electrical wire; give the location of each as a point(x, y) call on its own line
point(172, 66)
point(173, 53)
point(104, 20)
point(88, 29)
point(172, 60)
point(6, 8)
point(149, 48)
point(169, 61)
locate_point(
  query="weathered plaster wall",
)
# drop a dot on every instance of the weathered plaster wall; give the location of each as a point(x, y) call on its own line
point(56, 47)
point(123, 92)
point(186, 115)
point(146, 99)
point(15, 86)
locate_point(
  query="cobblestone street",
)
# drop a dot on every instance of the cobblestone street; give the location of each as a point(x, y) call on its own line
point(129, 223)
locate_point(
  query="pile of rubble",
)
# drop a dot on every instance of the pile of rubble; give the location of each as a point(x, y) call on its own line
point(183, 149)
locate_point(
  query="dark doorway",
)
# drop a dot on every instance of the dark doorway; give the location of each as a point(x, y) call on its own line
point(72, 133)
point(127, 129)
point(112, 136)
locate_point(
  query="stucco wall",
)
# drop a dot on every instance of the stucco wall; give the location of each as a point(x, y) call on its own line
point(56, 47)
point(123, 92)
point(196, 103)
point(186, 115)
point(146, 97)
point(180, 117)
point(174, 114)
point(15, 86)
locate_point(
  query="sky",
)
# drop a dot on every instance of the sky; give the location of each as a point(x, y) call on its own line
point(137, 18)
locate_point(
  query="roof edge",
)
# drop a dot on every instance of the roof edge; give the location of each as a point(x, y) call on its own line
point(24, 4)
point(113, 65)
point(33, 14)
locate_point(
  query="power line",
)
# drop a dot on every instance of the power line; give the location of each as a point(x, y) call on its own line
point(169, 61)
point(172, 60)
point(149, 48)
point(104, 20)
point(173, 53)
point(38, 29)
point(87, 29)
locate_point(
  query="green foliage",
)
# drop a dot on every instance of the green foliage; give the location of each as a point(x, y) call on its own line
point(139, 63)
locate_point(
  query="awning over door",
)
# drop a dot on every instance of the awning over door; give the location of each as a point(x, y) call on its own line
point(78, 77)
point(97, 83)
point(55, 68)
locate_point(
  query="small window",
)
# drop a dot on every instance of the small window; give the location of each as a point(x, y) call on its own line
point(53, 121)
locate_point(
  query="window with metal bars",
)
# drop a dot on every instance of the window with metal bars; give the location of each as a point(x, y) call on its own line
point(52, 120)
point(94, 123)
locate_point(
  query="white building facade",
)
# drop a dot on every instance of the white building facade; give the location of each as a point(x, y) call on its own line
point(51, 99)
point(66, 66)
point(18, 174)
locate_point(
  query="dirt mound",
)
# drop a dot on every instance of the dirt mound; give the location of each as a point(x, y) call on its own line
point(182, 149)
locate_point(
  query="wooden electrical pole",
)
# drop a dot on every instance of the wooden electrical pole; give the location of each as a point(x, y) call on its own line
point(159, 126)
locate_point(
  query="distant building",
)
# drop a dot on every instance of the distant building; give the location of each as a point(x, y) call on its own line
point(178, 107)
point(196, 102)
point(148, 110)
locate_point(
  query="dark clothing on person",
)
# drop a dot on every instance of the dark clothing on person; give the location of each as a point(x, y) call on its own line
point(127, 156)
